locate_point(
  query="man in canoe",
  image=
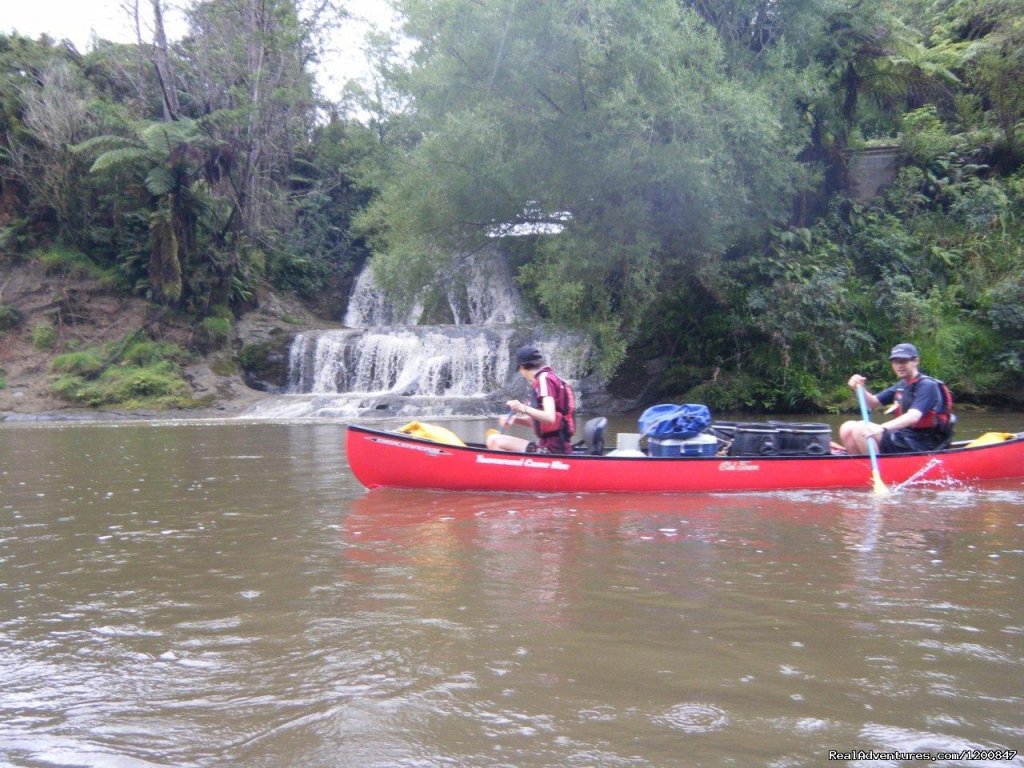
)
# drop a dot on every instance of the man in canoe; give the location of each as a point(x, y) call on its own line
point(551, 413)
point(922, 410)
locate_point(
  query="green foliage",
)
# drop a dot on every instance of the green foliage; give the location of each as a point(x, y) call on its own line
point(216, 331)
point(165, 160)
point(180, 192)
point(145, 352)
point(112, 159)
point(87, 363)
point(9, 317)
point(44, 336)
point(225, 366)
point(687, 152)
point(255, 355)
point(585, 120)
point(156, 386)
point(924, 137)
point(266, 361)
point(131, 374)
point(1004, 312)
point(164, 255)
point(74, 263)
point(996, 68)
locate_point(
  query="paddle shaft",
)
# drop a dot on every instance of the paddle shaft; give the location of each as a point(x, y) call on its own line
point(876, 475)
point(507, 423)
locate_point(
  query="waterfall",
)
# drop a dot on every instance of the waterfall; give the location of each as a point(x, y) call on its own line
point(368, 306)
point(387, 363)
point(487, 295)
point(425, 361)
point(484, 293)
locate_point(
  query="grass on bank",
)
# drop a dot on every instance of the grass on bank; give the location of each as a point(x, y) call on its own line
point(129, 374)
point(65, 261)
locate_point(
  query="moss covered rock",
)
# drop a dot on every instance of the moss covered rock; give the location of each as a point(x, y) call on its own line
point(265, 364)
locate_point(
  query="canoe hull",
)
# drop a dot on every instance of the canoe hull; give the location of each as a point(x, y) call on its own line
point(388, 459)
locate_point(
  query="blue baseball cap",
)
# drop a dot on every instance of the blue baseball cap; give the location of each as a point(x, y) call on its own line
point(904, 352)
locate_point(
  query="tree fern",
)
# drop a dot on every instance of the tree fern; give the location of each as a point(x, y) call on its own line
point(160, 181)
point(115, 159)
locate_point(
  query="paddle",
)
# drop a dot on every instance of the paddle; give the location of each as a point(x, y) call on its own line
point(504, 426)
point(508, 421)
point(880, 488)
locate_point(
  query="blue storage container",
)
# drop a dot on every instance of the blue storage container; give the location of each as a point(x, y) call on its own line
point(701, 445)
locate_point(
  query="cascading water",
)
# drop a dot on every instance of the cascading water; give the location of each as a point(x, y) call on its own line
point(483, 294)
point(428, 361)
point(385, 363)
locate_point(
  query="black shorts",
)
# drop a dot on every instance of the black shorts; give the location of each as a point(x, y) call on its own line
point(910, 441)
point(551, 444)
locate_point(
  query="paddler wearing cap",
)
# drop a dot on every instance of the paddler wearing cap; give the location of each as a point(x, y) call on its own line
point(550, 413)
point(921, 410)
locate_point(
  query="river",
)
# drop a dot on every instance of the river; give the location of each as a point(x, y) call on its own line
point(225, 594)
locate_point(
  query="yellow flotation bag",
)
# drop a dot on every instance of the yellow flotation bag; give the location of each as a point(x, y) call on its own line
point(989, 438)
point(431, 432)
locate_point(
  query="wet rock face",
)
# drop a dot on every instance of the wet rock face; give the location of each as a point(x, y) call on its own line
point(265, 364)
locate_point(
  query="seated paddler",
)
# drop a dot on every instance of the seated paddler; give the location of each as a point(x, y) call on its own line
point(921, 410)
point(550, 412)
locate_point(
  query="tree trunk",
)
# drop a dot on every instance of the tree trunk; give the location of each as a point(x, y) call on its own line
point(164, 67)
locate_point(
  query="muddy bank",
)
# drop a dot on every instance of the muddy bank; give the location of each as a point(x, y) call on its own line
point(82, 312)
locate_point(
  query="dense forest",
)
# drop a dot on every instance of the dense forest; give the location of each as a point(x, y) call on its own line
point(680, 167)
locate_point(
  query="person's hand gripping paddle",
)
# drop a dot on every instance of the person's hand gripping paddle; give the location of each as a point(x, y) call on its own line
point(504, 425)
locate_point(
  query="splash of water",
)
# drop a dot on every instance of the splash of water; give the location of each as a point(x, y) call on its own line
point(932, 463)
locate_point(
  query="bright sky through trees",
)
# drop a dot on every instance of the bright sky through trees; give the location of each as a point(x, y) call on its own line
point(78, 21)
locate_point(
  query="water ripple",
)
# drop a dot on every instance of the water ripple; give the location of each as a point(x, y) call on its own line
point(695, 717)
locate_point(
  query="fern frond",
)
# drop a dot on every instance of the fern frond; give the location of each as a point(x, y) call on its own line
point(160, 181)
point(101, 144)
point(116, 158)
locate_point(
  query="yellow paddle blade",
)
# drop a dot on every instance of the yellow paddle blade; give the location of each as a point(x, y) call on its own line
point(490, 432)
point(880, 487)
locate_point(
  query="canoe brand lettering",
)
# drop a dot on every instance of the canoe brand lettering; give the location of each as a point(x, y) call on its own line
point(529, 462)
point(428, 449)
point(738, 466)
point(556, 464)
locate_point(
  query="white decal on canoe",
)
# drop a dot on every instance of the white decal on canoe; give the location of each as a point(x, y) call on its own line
point(529, 462)
point(504, 462)
point(738, 466)
point(427, 449)
point(553, 464)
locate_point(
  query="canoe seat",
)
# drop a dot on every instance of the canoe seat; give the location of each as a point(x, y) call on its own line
point(947, 433)
point(593, 437)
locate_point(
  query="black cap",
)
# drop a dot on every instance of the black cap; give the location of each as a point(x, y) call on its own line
point(528, 356)
point(903, 352)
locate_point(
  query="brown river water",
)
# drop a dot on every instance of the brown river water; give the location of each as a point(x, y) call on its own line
point(226, 594)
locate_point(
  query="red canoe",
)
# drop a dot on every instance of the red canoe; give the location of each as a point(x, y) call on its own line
point(382, 459)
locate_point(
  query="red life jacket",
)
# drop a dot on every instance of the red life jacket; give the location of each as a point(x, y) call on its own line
point(565, 406)
point(934, 419)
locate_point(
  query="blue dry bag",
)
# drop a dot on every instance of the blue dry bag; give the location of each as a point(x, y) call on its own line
point(675, 421)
